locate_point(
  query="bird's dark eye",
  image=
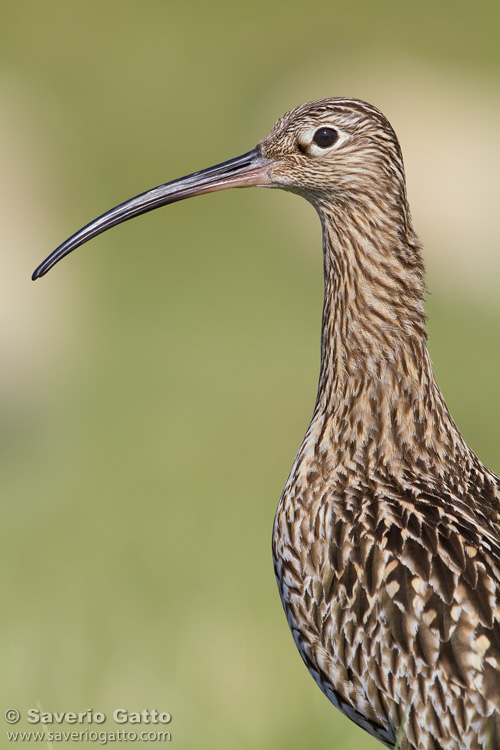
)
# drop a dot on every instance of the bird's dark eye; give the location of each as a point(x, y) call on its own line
point(325, 137)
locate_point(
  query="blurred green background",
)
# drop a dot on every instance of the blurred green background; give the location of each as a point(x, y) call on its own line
point(156, 385)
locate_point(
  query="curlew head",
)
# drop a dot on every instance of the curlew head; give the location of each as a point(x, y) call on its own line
point(334, 152)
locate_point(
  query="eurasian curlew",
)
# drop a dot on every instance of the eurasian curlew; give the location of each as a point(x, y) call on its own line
point(387, 536)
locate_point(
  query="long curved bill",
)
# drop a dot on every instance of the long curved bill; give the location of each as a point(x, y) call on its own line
point(249, 169)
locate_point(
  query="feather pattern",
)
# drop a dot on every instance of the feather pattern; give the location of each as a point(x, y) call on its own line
point(387, 536)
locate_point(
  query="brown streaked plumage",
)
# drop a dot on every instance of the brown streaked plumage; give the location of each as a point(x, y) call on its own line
point(387, 536)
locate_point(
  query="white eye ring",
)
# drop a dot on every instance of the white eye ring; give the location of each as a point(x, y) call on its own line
point(308, 145)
